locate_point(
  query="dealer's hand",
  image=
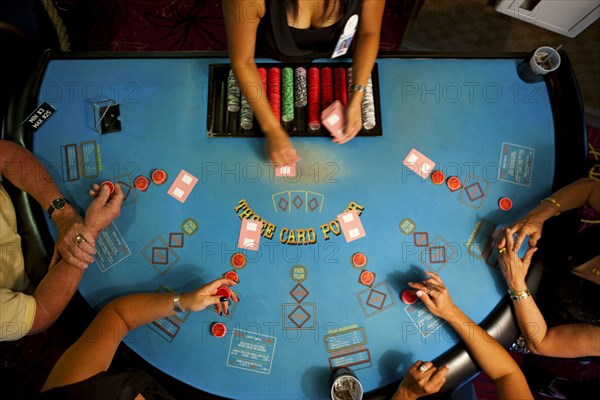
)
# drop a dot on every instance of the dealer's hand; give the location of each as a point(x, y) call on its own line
point(280, 149)
point(421, 379)
point(353, 114)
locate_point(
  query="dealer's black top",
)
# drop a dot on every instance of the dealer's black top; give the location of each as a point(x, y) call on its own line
point(276, 39)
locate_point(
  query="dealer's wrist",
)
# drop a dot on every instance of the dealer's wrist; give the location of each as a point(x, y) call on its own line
point(404, 394)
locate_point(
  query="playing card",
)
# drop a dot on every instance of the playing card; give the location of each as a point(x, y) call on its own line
point(250, 234)
point(418, 163)
point(286, 170)
point(183, 185)
point(351, 225)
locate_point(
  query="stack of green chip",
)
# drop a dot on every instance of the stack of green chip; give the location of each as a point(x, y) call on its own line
point(288, 95)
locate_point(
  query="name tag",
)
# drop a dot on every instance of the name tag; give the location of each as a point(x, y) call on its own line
point(345, 39)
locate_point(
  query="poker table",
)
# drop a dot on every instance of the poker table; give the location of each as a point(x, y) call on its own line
point(303, 312)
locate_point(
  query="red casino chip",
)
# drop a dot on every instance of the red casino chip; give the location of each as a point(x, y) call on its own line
point(358, 260)
point(437, 177)
point(408, 296)
point(142, 183)
point(111, 186)
point(218, 329)
point(505, 203)
point(223, 291)
point(367, 278)
point(159, 176)
point(232, 275)
point(453, 183)
point(238, 261)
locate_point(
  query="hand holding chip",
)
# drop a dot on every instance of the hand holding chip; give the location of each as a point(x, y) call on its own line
point(104, 209)
point(206, 295)
point(280, 149)
point(435, 296)
point(514, 268)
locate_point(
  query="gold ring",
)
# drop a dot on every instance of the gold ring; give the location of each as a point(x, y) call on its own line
point(79, 239)
point(502, 250)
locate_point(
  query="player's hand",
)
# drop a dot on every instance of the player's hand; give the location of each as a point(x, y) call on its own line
point(417, 383)
point(104, 209)
point(530, 225)
point(353, 114)
point(203, 297)
point(69, 225)
point(280, 149)
point(435, 296)
point(514, 268)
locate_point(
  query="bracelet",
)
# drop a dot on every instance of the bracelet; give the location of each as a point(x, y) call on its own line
point(358, 88)
point(553, 201)
point(176, 304)
point(518, 295)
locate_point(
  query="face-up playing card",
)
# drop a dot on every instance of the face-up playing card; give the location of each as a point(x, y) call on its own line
point(351, 225)
point(418, 163)
point(183, 185)
point(286, 170)
point(250, 234)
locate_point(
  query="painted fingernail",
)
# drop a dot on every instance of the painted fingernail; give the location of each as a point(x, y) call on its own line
point(223, 299)
point(419, 293)
point(220, 312)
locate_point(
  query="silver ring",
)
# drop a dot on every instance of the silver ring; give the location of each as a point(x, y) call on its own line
point(423, 368)
point(430, 288)
point(79, 239)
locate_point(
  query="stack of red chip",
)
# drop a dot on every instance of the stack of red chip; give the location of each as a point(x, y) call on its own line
point(326, 87)
point(341, 91)
point(437, 177)
point(263, 78)
point(142, 183)
point(224, 291)
point(232, 275)
point(159, 176)
point(314, 101)
point(367, 278)
point(505, 203)
point(218, 329)
point(275, 91)
point(359, 260)
point(408, 296)
point(453, 183)
point(238, 261)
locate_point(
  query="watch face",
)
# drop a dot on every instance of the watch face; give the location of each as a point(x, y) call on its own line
point(58, 204)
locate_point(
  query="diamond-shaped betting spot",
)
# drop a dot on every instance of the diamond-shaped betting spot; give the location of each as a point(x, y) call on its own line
point(160, 255)
point(376, 299)
point(299, 293)
point(421, 239)
point(313, 204)
point(283, 204)
point(176, 239)
point(298, 202)
point(437, 254)
point(299, 316)
point(474, 191)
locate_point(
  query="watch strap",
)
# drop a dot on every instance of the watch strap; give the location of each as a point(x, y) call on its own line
point(51, 209)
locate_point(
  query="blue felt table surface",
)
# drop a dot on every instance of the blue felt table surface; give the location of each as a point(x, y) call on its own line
point(456, 112)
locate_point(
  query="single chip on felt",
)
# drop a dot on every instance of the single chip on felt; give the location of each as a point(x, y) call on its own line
point(367, 278)
point(505, 203)
point(408, 296)
point(223, 291)
point(238, 260)
point(232, 275)
point(218, 329)
point(453, 183)
point(111, 186)
point(159, 176)
point(142, 183)
point(359, 260)
point(437, 177)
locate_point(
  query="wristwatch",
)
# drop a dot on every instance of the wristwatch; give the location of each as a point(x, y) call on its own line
point(57, 204)
point(176, 303)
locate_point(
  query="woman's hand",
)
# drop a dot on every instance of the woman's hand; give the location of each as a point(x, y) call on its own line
point(530, 225)
point(514, 268)
point(280, 149)
point(435, 296)
point(203, 297)
point(353, 114)
point(421, 379)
